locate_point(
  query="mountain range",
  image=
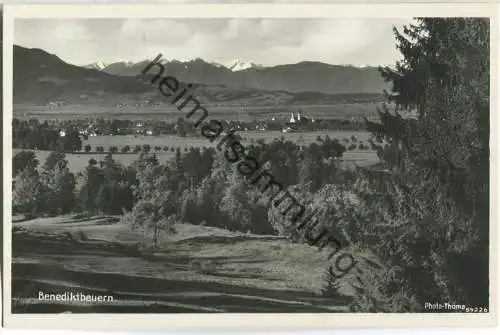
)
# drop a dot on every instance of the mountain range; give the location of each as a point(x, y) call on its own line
point(301, 77)
point(123, 67)
point(41, 78)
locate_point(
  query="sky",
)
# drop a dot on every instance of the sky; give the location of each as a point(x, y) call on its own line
point(359, 42)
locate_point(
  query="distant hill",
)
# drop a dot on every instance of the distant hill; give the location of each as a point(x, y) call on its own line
point(44, 79)
point(314, 77)
point(300, 77)
point(41, 77)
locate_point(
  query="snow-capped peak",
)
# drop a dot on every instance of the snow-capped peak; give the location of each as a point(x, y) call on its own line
point(238, 65)
point(217, 64)
point(96, 66)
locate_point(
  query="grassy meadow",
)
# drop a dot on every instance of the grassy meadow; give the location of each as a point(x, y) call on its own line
point(305, 138)
point(194, 270)
point(78, 161)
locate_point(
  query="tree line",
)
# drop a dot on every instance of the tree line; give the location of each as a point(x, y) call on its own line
point(31, 134)
point(104, 185)
point(42, 136)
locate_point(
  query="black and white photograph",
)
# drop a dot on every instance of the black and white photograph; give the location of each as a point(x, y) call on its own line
point(249, 164)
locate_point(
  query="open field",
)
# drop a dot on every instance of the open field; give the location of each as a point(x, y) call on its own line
point(305, 138)
point(78, 161)
point(216, 111)
point(198, 269)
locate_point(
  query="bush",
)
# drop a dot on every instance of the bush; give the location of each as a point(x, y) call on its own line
point(27, 197)
point(24, 160)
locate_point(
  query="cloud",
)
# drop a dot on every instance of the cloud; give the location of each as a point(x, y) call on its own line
point(166, 32)
point(265, 41)
point(70, 31)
